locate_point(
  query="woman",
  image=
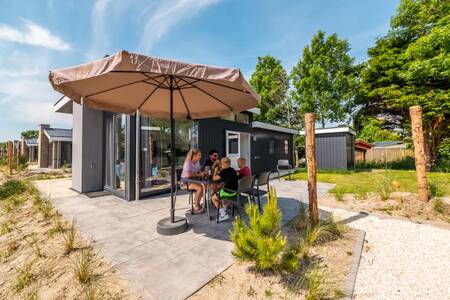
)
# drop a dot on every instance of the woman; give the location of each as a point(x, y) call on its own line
point(192, 168)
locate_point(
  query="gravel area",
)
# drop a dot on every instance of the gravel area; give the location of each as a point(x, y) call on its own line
point(401, 259)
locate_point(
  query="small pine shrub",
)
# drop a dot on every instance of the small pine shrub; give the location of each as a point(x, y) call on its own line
point(261, 241)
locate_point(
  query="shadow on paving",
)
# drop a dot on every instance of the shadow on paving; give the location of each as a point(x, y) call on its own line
point(164, 267)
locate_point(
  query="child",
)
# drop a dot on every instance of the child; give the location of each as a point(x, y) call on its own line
point(228, 176)
point(244, 170)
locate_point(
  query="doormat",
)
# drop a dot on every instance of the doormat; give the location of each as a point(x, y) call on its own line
point(97, 194)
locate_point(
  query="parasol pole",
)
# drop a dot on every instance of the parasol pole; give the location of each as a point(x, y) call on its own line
point(172, 150)
point(138, 161)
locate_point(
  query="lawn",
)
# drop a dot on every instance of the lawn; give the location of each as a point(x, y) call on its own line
point(361, 182)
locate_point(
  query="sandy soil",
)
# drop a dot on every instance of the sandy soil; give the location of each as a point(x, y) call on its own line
point(240, 281)
point(32, 241)
point(400, 204)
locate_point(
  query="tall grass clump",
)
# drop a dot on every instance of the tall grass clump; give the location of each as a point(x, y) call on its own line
point(84, 264)
point(385, 185)
point(69, 237)
point(435, 190)
point(438, 205)
point(24, 277)
point(261, 241)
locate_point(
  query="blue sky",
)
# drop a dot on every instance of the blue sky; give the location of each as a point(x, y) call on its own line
point(37, 36)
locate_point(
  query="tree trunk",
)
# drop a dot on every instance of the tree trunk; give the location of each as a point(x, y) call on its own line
point(419, 151)
point(310, 120)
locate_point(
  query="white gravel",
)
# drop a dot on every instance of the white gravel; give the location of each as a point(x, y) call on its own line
point(401, 259)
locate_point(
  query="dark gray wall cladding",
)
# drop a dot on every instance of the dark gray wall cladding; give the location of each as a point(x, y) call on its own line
point(211, 134)
point(262, 160)
point(87, 149)
point(331, 150)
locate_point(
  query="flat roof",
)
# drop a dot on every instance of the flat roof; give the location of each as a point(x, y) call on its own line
point(332, 130)
point(31, 142)
point(58, 134)
point(262, 125)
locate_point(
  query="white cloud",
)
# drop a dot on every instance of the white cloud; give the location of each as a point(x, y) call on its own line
point(33, 34)
point(166, 15)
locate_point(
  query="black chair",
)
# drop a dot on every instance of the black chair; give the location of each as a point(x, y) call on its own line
point(191, 192)
point(245, 184)
point(256, 192)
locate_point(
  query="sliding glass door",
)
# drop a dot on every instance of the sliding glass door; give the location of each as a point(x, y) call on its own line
point(115, 148)
point(155, 151)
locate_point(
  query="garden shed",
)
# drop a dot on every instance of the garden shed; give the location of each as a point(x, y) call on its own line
point(335, 148)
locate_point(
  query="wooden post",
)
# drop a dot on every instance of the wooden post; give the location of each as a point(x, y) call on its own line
point(10, 157)
point(419, 152)
point(310, 121)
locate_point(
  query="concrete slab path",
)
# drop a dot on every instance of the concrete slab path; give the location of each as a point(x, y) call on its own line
point(160, 267)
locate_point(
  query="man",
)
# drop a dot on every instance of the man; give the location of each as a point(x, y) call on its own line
point(212, 161)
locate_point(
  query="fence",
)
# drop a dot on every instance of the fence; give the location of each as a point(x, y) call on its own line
point(388, 154)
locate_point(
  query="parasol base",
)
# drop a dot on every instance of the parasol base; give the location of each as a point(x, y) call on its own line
point(166, 227)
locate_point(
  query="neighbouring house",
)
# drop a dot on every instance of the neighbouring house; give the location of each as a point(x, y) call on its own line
point(335, 148)
point(104, 147)
point(388, 151)
point(361, 148)
point(29, 149)
point(54, 147)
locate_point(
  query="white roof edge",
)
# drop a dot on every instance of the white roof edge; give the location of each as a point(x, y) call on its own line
point(254, 110)
point(64, 100)
point(332, 130)
point(262, 125)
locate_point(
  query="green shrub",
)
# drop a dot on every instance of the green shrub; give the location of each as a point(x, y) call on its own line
point(260, 241)
point(435, 190)
point(12, 187)
point(407, 163)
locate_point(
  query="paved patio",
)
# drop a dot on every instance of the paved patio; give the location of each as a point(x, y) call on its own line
point(160, 267)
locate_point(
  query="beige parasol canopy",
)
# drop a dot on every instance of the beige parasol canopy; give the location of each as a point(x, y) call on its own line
point(125, 82)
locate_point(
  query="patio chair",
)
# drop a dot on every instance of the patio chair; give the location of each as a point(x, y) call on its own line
point(244, 185)
point(283, 165)
point(256, 192)
point(191, 192)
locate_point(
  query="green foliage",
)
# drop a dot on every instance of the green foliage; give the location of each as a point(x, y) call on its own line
point(260, 241)
point(373, 131)
point(407, 163)
point(83, 265)
point(29, 134)
point(271, 82)
point(12, 187)
point(443, 163)
point(410, 66)
point(435, 190)
point(324, 78)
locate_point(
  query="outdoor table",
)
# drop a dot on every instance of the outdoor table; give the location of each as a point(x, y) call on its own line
point(205, 181)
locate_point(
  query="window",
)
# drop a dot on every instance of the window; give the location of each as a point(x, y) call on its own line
point(286, 147)
point(272, 147)
point(237, 117)
point(242, 118)
point(233, 143)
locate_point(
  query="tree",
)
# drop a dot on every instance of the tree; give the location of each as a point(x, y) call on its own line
point(410, 66)
point(271, 82)
point(324, 78)
point(29, 134)
point(373, 131)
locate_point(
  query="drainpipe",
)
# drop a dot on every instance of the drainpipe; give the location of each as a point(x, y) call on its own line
point(138, 136)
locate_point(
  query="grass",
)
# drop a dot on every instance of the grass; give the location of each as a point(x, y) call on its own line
point(24, 278)
point(83, 265)
point(33, 243)
point(69, 236)
point(363, 182)
point(438, 205)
